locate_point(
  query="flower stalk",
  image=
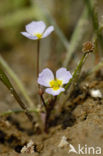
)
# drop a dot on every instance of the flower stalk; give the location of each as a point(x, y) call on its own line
point(38, 53)
point(38, 67)
point(87, 49)
point(77, 70)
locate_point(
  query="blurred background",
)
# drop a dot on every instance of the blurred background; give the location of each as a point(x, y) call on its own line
point(73, 22)
point(15, 14)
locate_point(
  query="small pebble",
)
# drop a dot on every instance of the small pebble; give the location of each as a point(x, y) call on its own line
point(96, 93)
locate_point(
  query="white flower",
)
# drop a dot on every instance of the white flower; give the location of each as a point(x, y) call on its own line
point(55, 85)
point(37, 30)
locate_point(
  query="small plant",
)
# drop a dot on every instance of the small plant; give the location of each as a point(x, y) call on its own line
point(55, 84)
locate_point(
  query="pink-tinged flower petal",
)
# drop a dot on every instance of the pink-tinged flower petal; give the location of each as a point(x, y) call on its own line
point(45, 77)
point(48, 31)
point(64, 75)
point(35, 27)
point(54, 92)
point(29, 36)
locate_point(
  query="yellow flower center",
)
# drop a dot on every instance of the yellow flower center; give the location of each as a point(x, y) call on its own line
point(55, 84)
point(38, 35)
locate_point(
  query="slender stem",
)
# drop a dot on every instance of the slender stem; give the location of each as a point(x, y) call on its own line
point(44, 104)
point(17, 81)
point(75, 77)
point(23, 106)
point(38, 53)
point(94, 16)
point(4, 79)
point(38, 67)
point(9, 112)
point(77, 70)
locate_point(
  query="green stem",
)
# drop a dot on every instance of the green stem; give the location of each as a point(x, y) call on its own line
point(17, 81)
point(75, 76)
point(17, 111)
point(77, 70)
point(93, 14)
point(8, 84)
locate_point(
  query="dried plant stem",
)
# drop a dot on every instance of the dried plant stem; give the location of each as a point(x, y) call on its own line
point(8, 84)
point(15, 78)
